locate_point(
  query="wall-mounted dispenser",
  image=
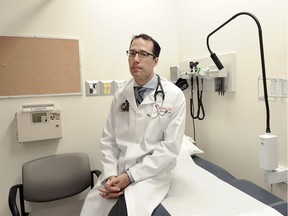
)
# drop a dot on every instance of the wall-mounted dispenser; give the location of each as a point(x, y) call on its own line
point(102, 87)
point(92, 88)
point(38, 122)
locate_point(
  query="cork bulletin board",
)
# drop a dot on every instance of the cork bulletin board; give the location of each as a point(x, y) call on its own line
point(31, 66)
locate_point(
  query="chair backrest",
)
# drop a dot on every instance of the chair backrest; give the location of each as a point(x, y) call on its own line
point(55, 177)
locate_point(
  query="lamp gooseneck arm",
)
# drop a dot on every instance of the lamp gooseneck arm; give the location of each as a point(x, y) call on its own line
point(221, 26)
point(262, 60)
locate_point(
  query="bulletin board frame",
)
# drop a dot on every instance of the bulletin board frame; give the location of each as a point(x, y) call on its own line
point(39, 66)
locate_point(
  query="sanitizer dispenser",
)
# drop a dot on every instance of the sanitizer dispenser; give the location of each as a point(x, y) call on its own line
point(38, 122)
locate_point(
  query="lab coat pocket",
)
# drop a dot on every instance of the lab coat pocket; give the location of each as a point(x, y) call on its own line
point(157, 122)
point(121, 123)
point(160, 110)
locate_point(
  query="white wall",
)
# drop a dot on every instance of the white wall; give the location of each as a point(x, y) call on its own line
point(104, 29)
point(229, 133)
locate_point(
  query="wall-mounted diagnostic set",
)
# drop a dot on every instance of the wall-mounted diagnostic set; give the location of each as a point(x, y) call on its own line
point(214, 80)
point(38, 122)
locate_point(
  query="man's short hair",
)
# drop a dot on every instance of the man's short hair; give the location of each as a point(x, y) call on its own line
point(156, 47)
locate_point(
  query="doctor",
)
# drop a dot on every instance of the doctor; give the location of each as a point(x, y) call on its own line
point(141, 139)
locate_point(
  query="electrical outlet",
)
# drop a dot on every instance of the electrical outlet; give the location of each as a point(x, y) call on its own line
point(106, 87)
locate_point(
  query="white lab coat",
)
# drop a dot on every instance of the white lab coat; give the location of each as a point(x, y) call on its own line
point(144, 143)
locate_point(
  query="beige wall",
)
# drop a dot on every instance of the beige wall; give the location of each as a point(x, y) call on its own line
point(228, 135)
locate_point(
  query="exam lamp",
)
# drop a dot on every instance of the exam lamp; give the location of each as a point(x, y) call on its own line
point(268, 147)
point(220, 66)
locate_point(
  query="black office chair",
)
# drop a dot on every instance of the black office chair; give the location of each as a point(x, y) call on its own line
point(53, 178)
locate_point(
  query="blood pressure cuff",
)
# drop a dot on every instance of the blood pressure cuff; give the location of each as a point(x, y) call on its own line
point(182, 84)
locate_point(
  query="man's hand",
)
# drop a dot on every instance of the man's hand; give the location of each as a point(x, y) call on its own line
point(114, 186)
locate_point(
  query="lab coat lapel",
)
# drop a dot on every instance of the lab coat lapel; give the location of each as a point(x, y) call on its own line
point(128, 93)
point(149, 98)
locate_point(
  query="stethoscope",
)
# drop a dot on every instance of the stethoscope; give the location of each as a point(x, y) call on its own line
point(161, 91)
point(158, 91)
point(159, 109)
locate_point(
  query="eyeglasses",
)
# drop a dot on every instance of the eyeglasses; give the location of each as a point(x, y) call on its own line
point(141, 54)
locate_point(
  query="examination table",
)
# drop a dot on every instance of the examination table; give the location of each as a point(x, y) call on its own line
point(200, 187)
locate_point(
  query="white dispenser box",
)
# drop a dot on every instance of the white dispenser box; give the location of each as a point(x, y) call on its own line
point(117, 84)
point(38, 122)
point(268, 152)
point(92, 88)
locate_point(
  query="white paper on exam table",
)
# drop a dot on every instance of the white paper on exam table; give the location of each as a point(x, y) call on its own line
point(194, 192)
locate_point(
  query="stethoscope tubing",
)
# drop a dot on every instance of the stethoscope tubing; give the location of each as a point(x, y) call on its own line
point(161, 91)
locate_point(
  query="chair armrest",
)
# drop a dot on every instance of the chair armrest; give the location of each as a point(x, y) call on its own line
point(12, 200)
point(94, 172)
